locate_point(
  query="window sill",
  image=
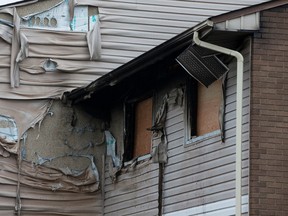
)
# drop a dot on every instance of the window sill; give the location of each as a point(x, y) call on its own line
point(138, 159)
point(198, 139)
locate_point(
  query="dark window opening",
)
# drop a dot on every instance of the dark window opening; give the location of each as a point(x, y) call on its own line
point(138, 117)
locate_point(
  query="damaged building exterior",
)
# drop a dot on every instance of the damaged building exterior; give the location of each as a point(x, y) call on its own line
point(136, 108)
point(48, 150)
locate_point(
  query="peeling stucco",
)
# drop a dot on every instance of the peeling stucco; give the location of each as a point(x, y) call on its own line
point(76, 134)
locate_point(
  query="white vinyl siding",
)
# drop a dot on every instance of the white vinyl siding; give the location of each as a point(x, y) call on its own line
point(134, 27)
point(201, 174)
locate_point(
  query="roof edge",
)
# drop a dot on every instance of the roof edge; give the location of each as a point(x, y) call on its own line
point(144, 60)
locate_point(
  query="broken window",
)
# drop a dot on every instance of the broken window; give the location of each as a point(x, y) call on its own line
point(202, 113)
point(138, 118)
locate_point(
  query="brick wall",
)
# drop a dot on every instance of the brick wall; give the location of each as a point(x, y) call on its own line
point(269, 116)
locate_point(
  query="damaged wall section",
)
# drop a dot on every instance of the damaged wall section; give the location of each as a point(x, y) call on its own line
point(26, 50)
point(50, 153)
point(35, 201)
point(61, 154)
point(75, 144)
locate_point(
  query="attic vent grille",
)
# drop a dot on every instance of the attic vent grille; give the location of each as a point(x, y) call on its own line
point(202, 64)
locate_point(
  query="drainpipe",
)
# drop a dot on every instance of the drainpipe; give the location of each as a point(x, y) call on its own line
point(240, 64)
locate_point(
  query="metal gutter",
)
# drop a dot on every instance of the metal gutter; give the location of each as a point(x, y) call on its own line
point(240, 66)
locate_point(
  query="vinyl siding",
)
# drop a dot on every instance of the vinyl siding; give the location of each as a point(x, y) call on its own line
point(196, 176)
point(130, 28)
point(201, 174)
point(42, 202)
point(134, 193)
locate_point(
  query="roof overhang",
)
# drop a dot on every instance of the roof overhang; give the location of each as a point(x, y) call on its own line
point(224, 30)
point(169, 48)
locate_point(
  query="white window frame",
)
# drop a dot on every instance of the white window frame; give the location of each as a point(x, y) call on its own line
point(190, 139)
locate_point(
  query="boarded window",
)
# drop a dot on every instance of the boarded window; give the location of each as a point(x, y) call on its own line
point(203, 105)
point(138, 117)
point(143, 120)
point(209, 100)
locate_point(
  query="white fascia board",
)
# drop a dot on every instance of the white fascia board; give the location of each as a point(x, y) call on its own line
point(250, 22)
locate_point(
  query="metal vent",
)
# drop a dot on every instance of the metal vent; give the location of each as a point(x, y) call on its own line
point(202, 64)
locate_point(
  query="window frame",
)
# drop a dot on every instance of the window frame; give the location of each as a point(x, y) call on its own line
point(190, 116)
point(129, 128)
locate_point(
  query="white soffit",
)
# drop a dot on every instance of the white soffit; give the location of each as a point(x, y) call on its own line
point(246, 22)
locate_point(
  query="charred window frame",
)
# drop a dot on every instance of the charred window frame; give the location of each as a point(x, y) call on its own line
point(192, 122)
point(130, 112)
point(191, 108)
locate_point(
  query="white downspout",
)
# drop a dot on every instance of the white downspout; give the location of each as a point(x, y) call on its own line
point(240, 65)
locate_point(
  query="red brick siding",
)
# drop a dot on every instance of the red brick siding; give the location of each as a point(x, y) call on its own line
point(269, 116)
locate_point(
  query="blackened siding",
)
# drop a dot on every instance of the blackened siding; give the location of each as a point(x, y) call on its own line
point(198, 179)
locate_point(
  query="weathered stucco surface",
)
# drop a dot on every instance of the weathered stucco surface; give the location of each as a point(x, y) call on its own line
point(65, 135)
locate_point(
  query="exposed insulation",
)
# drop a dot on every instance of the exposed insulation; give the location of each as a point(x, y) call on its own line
point(24, 114)
point(52, 179)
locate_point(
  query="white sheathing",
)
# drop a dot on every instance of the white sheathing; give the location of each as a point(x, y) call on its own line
point(202, 174)
point(134, 193)
point(130, 28)
point(59, 15)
